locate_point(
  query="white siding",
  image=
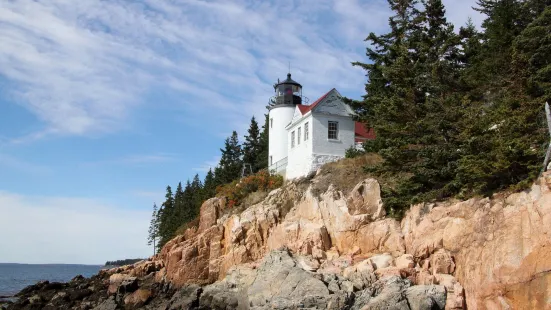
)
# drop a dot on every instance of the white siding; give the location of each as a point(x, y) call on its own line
point(279, 118)
point(300, 156)
point(327, 150)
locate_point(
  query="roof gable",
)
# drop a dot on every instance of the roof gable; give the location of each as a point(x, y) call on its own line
point(330, 103)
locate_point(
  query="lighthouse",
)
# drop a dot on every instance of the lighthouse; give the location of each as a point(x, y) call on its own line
point(288, 94)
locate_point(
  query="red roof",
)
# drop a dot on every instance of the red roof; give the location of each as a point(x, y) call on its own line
point(362, 133)
point(305, 108)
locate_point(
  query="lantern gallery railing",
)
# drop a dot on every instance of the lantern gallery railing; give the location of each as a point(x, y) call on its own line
point(279, 166)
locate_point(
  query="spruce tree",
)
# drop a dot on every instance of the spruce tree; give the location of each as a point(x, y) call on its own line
point(251, 145)
point(179, 207)
point(197, 195)
point(153, 232)
point(166, 223)
point(230, 165)
point(263, 146)
point(209, 186)
point(188, 207)
point(502, 135)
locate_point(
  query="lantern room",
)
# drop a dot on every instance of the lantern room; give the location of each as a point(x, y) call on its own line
point(287, 92)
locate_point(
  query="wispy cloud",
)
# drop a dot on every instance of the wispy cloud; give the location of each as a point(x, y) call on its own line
point(82, 66)
point(140, 159)
point(69, 230)
point(11, 162)
point(207, 165)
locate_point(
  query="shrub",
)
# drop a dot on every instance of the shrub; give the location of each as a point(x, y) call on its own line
point(238, 190)
point(353, 152)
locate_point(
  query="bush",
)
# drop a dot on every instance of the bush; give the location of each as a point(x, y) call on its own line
point(238, 190)
point(353, 152)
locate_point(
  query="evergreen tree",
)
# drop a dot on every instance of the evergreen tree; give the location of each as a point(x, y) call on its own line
point(197, 195)
point(502, 135)
point(251, 146)
point(188, 207)
point(262, 157)
point(166, 223)
point(179, 207)
point(153, 232)
point(230, 165)
point(209, 186)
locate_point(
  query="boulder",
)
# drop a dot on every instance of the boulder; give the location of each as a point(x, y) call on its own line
point(122, 283)
point(426, 297)
point(405, 261)
point(442, 262)
point(365, 199)
point(137, 299)
point(185, 298)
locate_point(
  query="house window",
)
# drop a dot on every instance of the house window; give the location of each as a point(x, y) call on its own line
point(271, 162)
point(298, 135)
point(271, 122)
point(293, 139)
point(333, 130)
point(306, 131)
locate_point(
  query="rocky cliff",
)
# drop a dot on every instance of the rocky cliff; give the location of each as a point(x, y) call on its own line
point(304, 249)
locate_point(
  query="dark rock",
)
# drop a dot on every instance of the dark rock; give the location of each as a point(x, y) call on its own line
point(186, 298)
point(426, 297)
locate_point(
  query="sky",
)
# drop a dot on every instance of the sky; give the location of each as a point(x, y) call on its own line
point(103, 103)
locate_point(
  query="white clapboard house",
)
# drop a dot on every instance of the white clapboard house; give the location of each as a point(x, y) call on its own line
point(304, 137)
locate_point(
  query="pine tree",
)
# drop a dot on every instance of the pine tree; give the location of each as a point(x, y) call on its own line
point(230, 165)
point(179, 207)
point(251, 146)
point(188, 212)
point(209, 186)
point(502, 133)
point(166, 223)
point(262, 157)
point(153, 232)
point(197, 195)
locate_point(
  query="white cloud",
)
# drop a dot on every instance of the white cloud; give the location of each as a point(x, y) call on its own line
point(82, 66)
point(69, 230)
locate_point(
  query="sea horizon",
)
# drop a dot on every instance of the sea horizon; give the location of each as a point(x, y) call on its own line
point(16, 276)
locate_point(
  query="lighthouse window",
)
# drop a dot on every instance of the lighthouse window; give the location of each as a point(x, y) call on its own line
point(298, 135)
point(293, 139)
point(333, 130)
point(305, 131)
point(271, 122)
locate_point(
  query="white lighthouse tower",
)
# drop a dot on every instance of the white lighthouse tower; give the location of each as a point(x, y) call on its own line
point(288, 94)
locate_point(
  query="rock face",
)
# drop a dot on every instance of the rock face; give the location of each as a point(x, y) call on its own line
point(297, 250)
point(487, 253)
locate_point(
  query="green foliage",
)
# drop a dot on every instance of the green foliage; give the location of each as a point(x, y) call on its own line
point(122, 262)
point(180, 210)
point(459, 114)
point(353, 152)
point(153, 232)
point(252, 145)
point(238, 190)
point(231, 163)
point(262, 157)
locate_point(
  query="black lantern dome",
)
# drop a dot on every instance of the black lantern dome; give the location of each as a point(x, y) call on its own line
point(287, 92)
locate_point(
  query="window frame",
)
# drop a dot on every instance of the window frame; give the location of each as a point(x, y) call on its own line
point(292, 139)
point(334, 130)
point(299, 131)
point(306, 131)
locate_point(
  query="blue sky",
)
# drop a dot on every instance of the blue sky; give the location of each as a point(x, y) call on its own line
point(104, 103)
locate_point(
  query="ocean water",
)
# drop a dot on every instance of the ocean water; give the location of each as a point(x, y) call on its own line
point(15, 277)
